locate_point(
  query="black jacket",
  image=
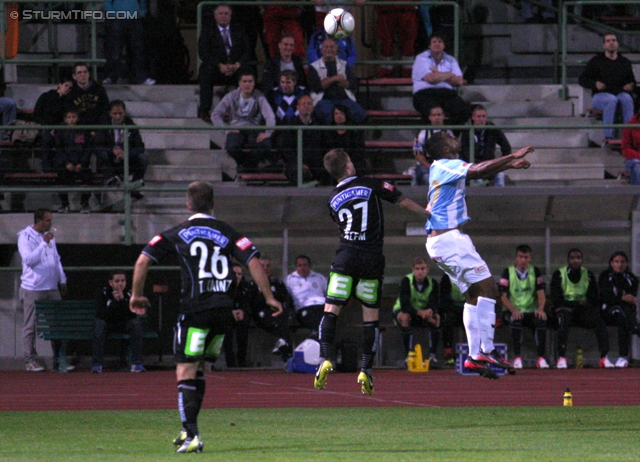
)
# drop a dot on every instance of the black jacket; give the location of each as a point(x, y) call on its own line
point(91, 103)
point(485, 144)
point(614, 73)
point(105, 139)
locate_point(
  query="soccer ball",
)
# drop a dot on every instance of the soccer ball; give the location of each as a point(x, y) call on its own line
point(339, 23)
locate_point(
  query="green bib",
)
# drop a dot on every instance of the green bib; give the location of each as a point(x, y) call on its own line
point(418, 299)
point(522, 292)
point(575, 292)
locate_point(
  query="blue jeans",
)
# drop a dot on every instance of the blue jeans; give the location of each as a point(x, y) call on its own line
point(633, 167)
point(421, 175)
point(607, 103)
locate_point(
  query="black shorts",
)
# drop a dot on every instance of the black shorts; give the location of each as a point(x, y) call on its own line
point(198, 336)
point(356, 269)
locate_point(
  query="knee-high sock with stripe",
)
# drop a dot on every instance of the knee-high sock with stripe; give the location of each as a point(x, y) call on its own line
point(370, 335)
point(326, 334)
point(189, 402)
point(487, 321)
point(472, 328)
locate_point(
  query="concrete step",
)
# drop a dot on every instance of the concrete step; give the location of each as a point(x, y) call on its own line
point(162, 109)
point(69, 38)
point(178, 157)
point(544, 172)
point(184, 173)
point(479, 93)
point(170, 122)
point(175, 139)
point(548, 139)
point(154, 93)
point(543, 121)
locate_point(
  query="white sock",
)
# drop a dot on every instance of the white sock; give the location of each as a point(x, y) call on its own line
point(472, 327)
point(487, 321)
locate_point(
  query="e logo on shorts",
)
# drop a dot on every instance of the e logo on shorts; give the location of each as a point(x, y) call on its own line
point(367, 290)
point(195, 341)
point(339, 286)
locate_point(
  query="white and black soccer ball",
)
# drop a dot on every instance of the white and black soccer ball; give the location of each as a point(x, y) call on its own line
point(339, 23)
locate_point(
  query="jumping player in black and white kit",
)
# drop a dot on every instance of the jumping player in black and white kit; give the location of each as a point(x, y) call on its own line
point(358, 266)
point(205, 247)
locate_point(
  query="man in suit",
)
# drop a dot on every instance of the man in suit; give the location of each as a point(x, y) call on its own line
point(223, 49)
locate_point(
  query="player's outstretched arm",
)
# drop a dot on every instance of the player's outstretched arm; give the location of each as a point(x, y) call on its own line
point(490, 167)
point(412, 206)
point(138, 302)
point(262, 281)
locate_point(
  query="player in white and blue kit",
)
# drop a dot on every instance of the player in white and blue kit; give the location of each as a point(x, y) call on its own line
point(453, 251)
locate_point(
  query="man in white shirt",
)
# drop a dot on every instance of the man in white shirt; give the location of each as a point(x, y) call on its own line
point(307, 289)
point(436, 77)
point(42, 278)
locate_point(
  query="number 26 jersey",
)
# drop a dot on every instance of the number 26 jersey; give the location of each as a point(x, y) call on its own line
point(205, 248)
point(355, 205)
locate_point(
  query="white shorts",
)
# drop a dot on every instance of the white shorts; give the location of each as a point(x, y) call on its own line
point(455, 254)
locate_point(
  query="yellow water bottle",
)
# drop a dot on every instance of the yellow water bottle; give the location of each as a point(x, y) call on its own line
point(568, 398)
point(579, 359)
point(411, 361)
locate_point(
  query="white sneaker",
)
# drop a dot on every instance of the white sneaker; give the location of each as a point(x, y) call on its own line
point(605, 363)
point(622, 362)
point(149, 81)
point(517, 363)
point(279, 344)
point(107, 81)
point(541, 363)
point(562, 363)
point(33, 366)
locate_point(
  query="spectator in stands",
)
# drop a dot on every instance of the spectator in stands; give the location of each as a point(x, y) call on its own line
point(223, 49)
point(312, 153)
point(284, 60)
point(307, 288)
point(423, 161)
point(129, 32)
point(113, 315)
point(263, 316)
point(245, 106)
point(110, 148)
point(534, 14)
point(485, 141)
point(352, 141)
point(249, 18)
point(49, 110)
point(574, 292)
point(87, 96)
point(436, 78)
point(523, 302)
point(73, 154)
point(331, 81)
point(42, 279)
point(631, 149)
point(417, 306)
point(618, 289)
point(401, 21)
point(451, 308)
point(609, 76)
point(242, 316)
point(8, 109)
point(282, 19)
point(346, 48)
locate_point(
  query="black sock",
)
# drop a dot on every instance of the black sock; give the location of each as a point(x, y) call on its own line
point(201, 386)
point(326, 334)
point(407, 338)
point(370, 333)
point(189, 400)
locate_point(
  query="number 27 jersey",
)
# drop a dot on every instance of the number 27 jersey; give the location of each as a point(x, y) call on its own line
point(205, 248)
point(355, 205)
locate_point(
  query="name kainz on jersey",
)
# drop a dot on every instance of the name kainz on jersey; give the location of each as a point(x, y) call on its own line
point(358, 192)
point(194, 232)
point(214, 285)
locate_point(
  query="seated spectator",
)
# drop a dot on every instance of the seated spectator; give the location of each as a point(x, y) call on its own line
point(436, 78)
point(485, 142)
point(331, 80)
point(352, 141)
point(120, 33)
point(283, 61)
point(245, 106)
point(8, 109)
point(609, 76)
point(423, 160)
point(307, 288)
point(631, 149)
point(262, 314)
point(223, 50)
point(87, 96)
point(574, 292)
point(49, 110)
point(618, 289)
point(282, 19)
point(523, 302)
point(535, 15)
point(403, 21)
point(242, 316)
point(451, 308)
point(110, 148)
point(113, 315)
point(312, 153)
point(417, 306)
point(73, 155)
point(346, 48)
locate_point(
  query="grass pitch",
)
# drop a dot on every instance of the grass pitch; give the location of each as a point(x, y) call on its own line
point(336, 434)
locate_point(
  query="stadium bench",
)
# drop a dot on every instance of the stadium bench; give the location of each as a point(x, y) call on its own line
point(393, 114)
point(67, 320)
point(262, 178)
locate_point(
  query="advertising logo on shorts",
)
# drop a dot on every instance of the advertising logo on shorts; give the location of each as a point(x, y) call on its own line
point(388, 186)
point(243, 243)
point(480, 269)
